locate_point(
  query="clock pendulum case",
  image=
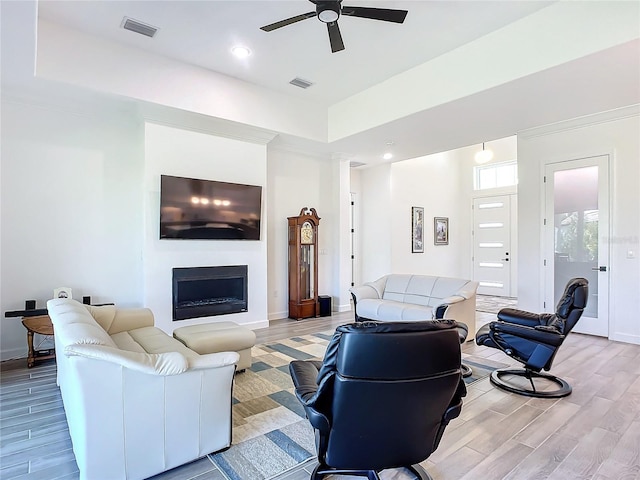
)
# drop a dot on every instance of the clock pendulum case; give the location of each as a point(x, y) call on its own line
point(303, 264)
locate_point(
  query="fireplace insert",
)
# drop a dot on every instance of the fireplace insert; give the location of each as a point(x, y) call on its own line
point(209, 291)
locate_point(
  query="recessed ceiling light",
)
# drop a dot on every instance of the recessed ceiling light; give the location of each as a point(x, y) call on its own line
point(387, 156)
point(241, 52)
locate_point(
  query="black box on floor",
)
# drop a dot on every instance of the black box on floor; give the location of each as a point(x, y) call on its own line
point(325, 305)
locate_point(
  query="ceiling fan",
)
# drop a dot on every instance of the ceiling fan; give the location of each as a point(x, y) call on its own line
point(328, 11)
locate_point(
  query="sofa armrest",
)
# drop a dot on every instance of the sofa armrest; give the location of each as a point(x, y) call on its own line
point(364, 291)
point(213, 360)
point(460, 309)
point(453, 299)
point(169, 363)
point(468, 291)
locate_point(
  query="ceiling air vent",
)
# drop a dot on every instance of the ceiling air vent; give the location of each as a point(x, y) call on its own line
point(138, 27)
point(356, 164)
point(299, 82)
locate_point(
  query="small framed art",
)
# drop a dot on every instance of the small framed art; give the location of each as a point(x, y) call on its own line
point(441, 231)
point(417, 230)
point(62, 292)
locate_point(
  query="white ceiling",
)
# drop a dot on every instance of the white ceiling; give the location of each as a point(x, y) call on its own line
point(203, 32)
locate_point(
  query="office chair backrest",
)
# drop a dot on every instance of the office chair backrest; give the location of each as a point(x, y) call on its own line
point(386, 387)
point(571, 305)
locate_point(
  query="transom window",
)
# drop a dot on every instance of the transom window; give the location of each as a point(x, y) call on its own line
point(495, 175)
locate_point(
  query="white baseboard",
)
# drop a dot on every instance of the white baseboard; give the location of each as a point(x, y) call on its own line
point(277, 315)
point(626, 338)
point(344, 308)
point(256, 325)
point(13, 354)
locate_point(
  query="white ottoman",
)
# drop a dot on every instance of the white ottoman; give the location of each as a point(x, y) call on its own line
point(219, 337)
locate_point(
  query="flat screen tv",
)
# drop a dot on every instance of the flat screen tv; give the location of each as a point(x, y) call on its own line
point(193, 209)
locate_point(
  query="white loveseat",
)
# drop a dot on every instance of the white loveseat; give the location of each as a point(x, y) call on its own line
point(399, 297)
point(138, 402)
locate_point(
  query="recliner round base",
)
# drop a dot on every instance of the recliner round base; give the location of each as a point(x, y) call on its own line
point(321, 470)
point(497, 380)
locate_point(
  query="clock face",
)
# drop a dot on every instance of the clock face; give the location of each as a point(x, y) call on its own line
point(306, 233)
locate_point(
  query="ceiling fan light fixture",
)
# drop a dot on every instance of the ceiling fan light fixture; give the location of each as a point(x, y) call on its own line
point(328, 13)
point(483, 156)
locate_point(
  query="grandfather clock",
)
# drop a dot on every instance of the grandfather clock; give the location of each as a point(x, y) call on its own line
point(303, 264)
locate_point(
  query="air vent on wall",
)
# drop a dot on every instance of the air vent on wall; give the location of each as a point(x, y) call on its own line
point(299, 82)
point(138, 27)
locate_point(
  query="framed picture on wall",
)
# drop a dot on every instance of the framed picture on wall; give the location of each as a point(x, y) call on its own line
point(417, 230)
point(62, 292)
point(441, 231)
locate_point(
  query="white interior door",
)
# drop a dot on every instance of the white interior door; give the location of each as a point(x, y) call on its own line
point(577, 221)
point(492, 254)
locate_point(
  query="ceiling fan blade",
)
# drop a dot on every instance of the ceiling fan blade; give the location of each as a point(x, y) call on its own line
point(335, 38)
point(288, 21)
point(384, 14)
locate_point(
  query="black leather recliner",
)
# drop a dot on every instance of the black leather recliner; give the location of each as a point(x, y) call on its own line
point(382, 396)
point(533, 340)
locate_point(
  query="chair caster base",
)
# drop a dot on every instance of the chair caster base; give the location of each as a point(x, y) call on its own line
point(497, 379)
point(466, 370)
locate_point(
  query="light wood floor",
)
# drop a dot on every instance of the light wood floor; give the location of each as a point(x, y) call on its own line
point(592, 434)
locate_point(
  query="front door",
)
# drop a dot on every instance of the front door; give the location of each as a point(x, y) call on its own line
point(493, 257)
point(577, 222)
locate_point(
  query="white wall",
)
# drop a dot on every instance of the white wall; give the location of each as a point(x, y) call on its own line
point(295, 181)
point(79, 201)
point(438, 184)
point(374, 233)
point(614, 133)
point(71, 208)
point(443, 185)
point(173, 151)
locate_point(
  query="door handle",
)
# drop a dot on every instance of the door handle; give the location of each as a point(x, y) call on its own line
point(599, 269)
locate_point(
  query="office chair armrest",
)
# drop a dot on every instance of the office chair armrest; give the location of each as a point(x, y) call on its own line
point(521, 317)
point(304, 374)
point(453, 411)
point(538, 335)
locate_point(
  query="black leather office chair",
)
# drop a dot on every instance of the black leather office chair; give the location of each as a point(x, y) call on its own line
point(382, 396)
point(533, 340)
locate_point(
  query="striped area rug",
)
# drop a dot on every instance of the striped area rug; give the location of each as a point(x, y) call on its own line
point(270, 432)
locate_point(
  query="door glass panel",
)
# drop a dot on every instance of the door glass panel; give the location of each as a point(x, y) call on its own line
point(576, 231)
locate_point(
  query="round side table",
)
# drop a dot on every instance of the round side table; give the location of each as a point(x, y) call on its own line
point(40, 324)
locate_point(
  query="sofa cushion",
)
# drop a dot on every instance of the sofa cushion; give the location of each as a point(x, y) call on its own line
point(103, 315)
point(419, 290)
point(150, 340)
point(390, 310)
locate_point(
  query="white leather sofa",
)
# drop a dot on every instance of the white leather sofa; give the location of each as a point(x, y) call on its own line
point(402, 297)
point(138, 402)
